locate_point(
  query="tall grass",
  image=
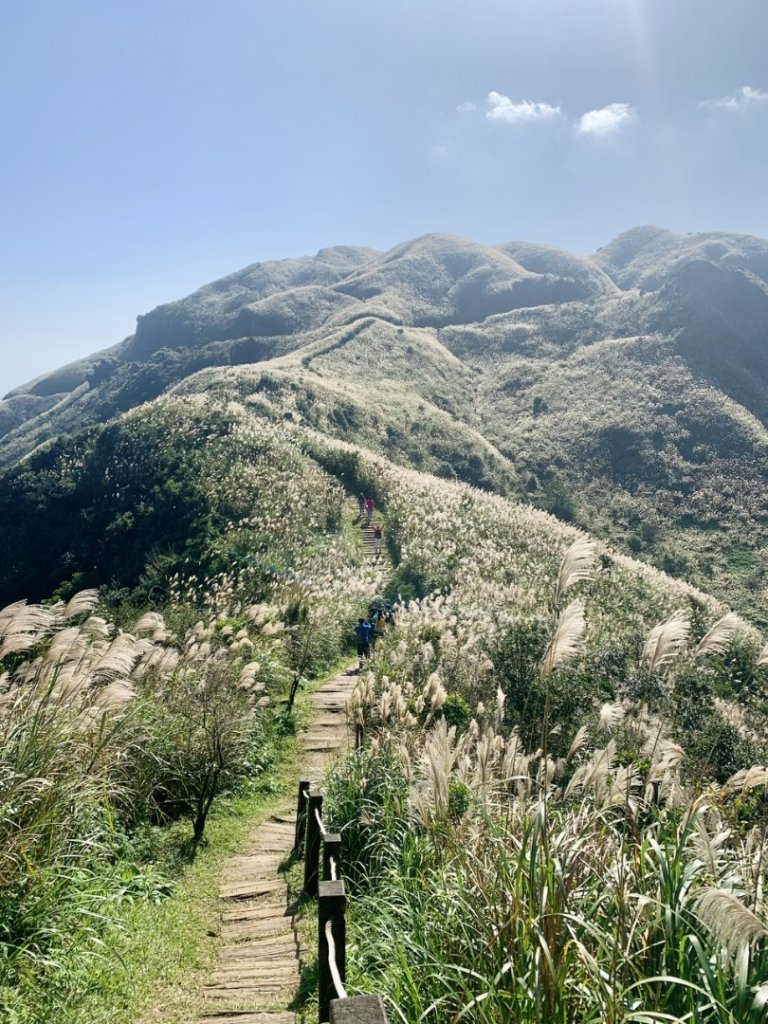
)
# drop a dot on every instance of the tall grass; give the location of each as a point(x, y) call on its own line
point(552, 908)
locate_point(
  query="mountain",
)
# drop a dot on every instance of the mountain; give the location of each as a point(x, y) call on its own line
point(625, 391)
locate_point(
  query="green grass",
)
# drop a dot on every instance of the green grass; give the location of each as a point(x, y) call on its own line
point(155, 956)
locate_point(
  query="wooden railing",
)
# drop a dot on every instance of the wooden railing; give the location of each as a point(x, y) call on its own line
point(322, 878)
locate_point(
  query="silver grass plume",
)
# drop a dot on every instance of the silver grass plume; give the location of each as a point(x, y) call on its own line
point(710, 847)
point(733, 924)
point(762, 658)
point(27, 621)
point(625, 788)
point(610, 716)
point(666, 756)
point(566, 641)
point(8, 613)
point(747, 778)
point(115, 694)
point(438, 759)
point(32, 618)
point(595, 774)
point(97, 627)
point(500, 700)
point(19, 642)
point(61, 646)
point(718, 639)
point(119, 658)
point(152, 622)
point(578, 742)
point(83, 601)
point(578, 564)
point(666, 640)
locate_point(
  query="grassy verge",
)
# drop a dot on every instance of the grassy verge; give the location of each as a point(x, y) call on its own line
point(156, 954)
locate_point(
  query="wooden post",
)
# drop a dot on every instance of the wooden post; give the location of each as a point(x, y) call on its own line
point(358, 1010)
point(312, 845)
point(301, 816)
point(331, 848)
point(331, 906)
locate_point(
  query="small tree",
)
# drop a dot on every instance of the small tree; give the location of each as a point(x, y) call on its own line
point(201, 733)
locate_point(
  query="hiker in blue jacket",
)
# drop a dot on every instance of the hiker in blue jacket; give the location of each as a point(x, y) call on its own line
point(363, 631)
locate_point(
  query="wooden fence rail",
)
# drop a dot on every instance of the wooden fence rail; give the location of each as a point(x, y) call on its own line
point(322, 878)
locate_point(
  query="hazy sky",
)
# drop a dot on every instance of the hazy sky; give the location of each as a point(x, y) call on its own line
point(150, 147)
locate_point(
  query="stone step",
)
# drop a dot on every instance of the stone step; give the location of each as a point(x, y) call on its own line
point(250, 890)
point(256, 968)
point(248, 1017)
point(264, 911)
point(245, 930)
point(261, 993)
point(258, 861)
point(258, 963)
point(247, 972)
point(284, 949)
point(274, 833)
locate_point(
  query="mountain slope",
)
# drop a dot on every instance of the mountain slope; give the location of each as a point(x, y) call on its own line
point(624, 390)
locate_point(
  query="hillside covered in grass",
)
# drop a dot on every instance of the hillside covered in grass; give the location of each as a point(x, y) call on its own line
point(530, 670)
point(624, 391)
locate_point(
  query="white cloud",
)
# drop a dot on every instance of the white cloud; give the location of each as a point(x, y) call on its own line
point(606, 120)
point(743, 99)
point(466, 108)
point(502, 108)
point(442, 150)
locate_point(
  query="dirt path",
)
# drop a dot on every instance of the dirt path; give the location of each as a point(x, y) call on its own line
point(257, 974)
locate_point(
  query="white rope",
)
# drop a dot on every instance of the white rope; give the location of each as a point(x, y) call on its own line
point(341, 992)
point(333, 869)
point(321, 826)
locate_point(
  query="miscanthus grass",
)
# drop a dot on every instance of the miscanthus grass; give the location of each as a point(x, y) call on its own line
point(115, 745)
point(514, 858)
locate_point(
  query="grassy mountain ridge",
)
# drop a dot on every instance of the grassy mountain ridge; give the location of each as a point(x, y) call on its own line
point(624, 390)
point(223, 506)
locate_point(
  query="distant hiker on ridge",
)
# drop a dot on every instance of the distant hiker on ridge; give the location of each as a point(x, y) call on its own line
point(370, 505)
point(363, 631)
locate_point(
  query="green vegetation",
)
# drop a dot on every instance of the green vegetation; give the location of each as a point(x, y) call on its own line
point(559, 812)
point(624, 392)
point(591, 843)
point(118, 742)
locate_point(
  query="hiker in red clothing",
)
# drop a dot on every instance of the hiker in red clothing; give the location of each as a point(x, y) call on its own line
point(370, 505)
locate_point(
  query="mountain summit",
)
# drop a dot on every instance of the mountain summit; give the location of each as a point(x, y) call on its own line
point(624, 390)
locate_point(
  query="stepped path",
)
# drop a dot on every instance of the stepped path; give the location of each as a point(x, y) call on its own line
point(379, 561)
point(257, 973)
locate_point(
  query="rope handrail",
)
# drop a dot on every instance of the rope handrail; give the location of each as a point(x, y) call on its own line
point(320, 825)
point(341, 992)
point(332, 861)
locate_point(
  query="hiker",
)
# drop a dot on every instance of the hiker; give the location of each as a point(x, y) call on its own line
point(361, 504)
point(377, 629)
point(377, 540)
point(363, 631)
point(370, 505)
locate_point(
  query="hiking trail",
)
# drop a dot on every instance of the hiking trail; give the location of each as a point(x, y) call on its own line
point(256, 977)
point(257, 973)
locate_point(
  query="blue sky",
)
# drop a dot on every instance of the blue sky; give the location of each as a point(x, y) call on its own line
point(150, 147)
